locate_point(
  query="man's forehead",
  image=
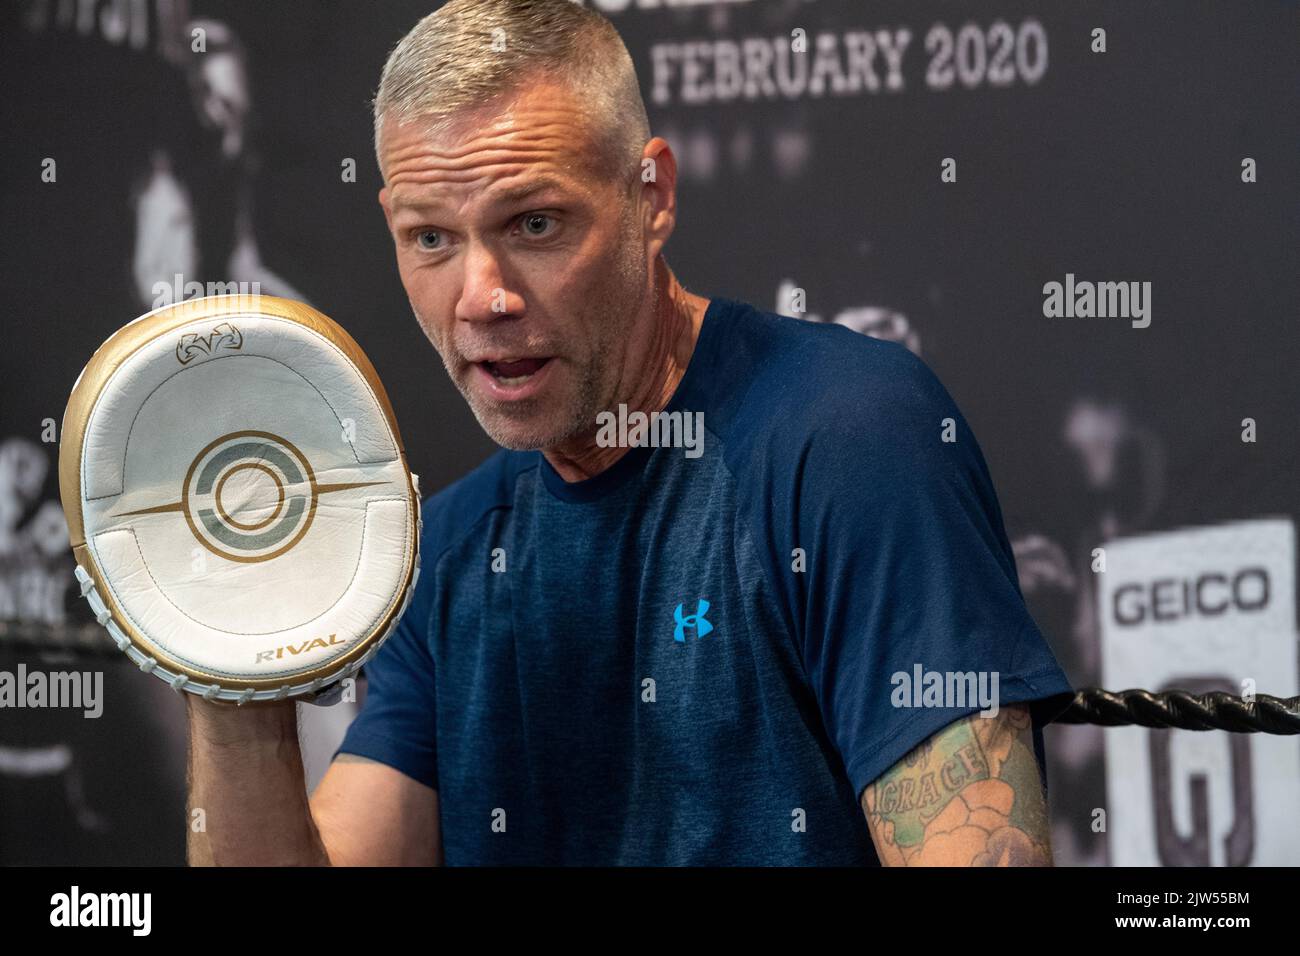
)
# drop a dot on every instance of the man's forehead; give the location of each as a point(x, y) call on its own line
point(541, 126)
point(432, 194)
point(427, 173)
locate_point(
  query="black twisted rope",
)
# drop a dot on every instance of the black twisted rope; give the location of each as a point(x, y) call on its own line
point(1177, 709)
point(1184, 711)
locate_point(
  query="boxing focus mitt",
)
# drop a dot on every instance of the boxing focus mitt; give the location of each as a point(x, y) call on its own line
point(238, 499)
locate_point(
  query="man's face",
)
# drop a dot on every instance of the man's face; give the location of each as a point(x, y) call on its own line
point(532, 298)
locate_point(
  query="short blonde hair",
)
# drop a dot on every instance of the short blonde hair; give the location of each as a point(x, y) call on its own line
point(469, 52)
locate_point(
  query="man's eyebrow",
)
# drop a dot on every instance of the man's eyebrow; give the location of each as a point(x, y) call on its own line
point(523, 190)
point(500, 197)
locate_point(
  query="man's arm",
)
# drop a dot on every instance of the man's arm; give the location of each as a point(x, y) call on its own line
point(246, 775)
point(970, 795)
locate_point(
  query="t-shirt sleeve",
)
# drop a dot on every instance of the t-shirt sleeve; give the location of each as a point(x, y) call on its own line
point(397, 725)
point(909, 571)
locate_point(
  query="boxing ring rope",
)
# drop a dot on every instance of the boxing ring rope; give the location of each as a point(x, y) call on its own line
point(1170, 709)
point(1181, 710)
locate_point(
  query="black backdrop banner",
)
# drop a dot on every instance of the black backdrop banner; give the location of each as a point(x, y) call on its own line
point(921, 171)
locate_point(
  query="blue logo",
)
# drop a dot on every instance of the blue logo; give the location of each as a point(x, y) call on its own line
point(695, 620)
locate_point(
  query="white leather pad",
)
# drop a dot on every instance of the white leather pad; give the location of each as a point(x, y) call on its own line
point(246, 501)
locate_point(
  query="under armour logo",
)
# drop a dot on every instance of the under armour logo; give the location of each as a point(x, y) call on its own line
point(695, 620)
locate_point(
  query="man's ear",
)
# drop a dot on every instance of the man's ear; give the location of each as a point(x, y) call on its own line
point(661, 190)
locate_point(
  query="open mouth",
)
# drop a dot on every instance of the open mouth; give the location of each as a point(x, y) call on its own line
point(514, 373)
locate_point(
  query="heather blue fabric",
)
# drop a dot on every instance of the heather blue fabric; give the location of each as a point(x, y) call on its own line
point(577, 708)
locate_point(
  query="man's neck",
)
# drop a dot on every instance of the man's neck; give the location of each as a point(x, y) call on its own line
point(676, 328)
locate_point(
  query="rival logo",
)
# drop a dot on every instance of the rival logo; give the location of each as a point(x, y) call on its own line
point(277, 653)
point(695, 620)
point(223, 336)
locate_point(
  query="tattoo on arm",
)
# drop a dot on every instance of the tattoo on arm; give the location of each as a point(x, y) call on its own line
point(970, 795)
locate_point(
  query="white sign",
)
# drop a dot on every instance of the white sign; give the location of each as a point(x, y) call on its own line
point(1200, 610)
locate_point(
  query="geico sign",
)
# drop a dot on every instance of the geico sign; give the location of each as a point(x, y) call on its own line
point(1208, 595)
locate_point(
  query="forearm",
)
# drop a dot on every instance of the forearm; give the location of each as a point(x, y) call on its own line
point(245, 774)
point(968, 796)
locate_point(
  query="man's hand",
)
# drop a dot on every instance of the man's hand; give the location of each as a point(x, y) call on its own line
point(968, 796)
point(246, 775)
point(247, 794)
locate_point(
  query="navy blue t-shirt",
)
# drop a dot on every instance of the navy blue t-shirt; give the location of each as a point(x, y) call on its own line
point(690, 659)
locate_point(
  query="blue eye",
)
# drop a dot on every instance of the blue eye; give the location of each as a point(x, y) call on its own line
point(532, 218)
point(420, 237)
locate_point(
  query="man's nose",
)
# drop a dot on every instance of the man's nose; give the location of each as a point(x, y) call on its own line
point(483, 296)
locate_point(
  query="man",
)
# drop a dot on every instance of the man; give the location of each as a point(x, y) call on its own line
point(649, 655)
